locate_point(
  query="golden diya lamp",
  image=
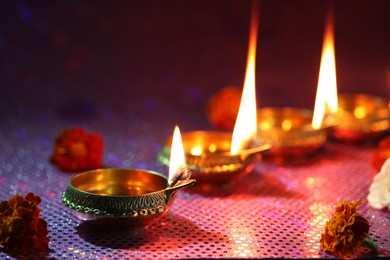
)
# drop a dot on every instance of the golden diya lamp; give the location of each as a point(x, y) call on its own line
point(357, 116)
point(130, 196)
point(222, 156)
point(293, 131)
point(209, 158)
point(361, 117)
point(350, 117)
point(290, 131)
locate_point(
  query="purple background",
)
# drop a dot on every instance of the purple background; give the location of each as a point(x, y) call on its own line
point(162, 56)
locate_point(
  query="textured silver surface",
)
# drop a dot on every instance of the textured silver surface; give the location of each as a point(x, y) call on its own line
point(276, 211)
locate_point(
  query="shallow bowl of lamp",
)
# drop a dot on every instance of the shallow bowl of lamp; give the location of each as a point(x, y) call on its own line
point(289, 131)
point(361, 116)
point(132, 196)
point(208, 156)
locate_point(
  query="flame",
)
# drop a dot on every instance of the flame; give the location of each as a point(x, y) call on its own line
point(177, 160)
point(286, 125)
point(326, 97)
point(245, 128)
point(197, 150)
point(360, 112)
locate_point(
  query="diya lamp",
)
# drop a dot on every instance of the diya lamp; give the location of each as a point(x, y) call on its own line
point(292, 131)
point(357, 116)
point(221, 156)
point(361, 117)
point(210, 159)
point(130, 196)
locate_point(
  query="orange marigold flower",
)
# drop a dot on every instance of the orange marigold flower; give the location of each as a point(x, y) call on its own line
point(346, 230)
point(77, 150)
point(222, 107)
point(21, 229)
point(381, 153)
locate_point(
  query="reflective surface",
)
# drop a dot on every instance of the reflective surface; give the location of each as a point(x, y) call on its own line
point(119, 182)
point(277, 210)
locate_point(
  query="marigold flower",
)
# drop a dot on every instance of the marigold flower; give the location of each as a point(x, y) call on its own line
point(21, 229)
point(346, 231)
point(77, 150)
point(222, 107)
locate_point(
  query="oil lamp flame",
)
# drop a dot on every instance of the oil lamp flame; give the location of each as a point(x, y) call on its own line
point(326, 96)
point(177, 160)
point(245, 128)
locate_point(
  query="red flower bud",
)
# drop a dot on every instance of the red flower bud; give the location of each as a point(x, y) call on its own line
point(77, 150)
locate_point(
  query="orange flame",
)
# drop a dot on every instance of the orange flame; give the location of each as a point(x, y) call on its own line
point(177, 159)
point(245, 128)
point(326, 97)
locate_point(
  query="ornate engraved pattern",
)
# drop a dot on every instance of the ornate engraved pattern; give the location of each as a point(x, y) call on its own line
point(127, 206)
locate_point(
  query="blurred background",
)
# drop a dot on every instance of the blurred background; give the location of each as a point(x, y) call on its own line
point(133, 60)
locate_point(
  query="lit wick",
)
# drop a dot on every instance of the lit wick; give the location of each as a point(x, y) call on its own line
point(177, 167)
point(178, 176)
